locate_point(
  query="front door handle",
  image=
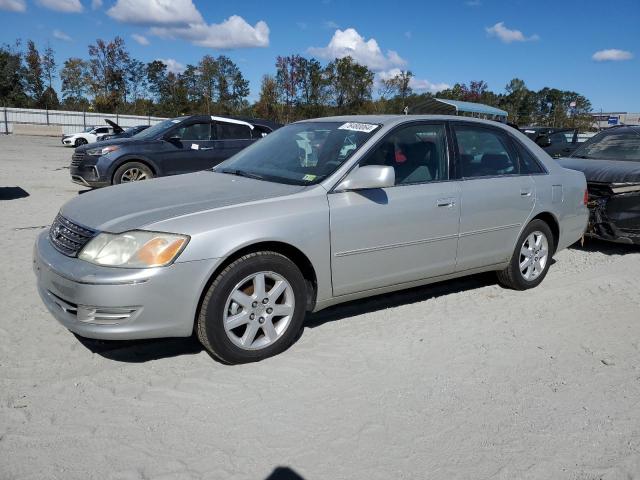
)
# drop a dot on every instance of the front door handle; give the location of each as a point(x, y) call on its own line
point(445, 202)
point(204, 149)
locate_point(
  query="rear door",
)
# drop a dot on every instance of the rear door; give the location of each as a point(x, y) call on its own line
point(231, 137)
point(496, 197)
point(187, 148)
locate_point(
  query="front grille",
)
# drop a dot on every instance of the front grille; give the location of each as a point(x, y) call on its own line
point(76, 159)
point(68, 237)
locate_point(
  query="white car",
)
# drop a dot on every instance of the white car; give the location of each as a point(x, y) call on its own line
point(89, 135)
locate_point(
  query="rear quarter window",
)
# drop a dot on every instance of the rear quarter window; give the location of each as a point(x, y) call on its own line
point(528, 163)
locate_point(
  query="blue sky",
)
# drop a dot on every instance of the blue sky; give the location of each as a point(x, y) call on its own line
point(544, 42)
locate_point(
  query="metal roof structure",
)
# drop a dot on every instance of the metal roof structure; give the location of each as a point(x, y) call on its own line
point(445, 106)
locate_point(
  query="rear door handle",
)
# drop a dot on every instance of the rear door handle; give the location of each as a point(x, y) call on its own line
point(204, 149)
point(525, 193)
point(445, 202)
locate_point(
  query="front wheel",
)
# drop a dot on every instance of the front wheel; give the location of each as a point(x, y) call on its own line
point(254, 309)
point(531, 258)
point(132, 172)
point(79, 142)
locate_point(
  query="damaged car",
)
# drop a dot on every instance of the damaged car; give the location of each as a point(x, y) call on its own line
point(611, 163)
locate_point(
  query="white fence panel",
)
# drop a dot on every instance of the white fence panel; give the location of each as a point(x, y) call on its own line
point(70, 121)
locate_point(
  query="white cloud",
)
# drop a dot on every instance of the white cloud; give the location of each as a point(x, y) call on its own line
point(350, 43)
point(507, 35)
point(612, 55)
point(417, 84)
point(13, 5)
point(60, 35)
point(156, 12)
point(141, 39)
point(234, 32)
point(331, 25)
point(96, 4)
point(67, 6)
point(172, 65)
point(473, 3)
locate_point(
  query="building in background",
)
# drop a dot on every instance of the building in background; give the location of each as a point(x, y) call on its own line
point(603, 120)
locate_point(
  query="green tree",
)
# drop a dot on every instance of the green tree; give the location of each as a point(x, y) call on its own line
point(35, 85)
point(351, 85)
point(267, 105)
point(75, 83)
point(107, 66)
point(12, 77)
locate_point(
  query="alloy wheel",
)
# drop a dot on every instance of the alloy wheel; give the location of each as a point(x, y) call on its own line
point(133, 174)
point(258, 310)
point(534, 255)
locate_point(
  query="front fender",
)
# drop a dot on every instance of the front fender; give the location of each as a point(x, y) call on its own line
point(300, 220)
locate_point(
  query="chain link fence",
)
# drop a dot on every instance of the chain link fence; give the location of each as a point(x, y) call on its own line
point(68, 121)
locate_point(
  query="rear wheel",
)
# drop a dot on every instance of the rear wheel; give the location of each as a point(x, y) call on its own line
point(531, 258)
point(80, 141)
point(254, 309)
point(132, 172)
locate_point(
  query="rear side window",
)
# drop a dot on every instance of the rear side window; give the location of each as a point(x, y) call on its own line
point(528, 163)
point(233, 131)
point(195, 131)
point(484, 152)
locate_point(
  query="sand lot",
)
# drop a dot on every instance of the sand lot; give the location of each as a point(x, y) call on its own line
point(460, 380)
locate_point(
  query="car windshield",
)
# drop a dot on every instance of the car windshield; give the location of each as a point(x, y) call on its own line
point(158, 128)
point(88, 129)
point(301, 153)
point(612, 145)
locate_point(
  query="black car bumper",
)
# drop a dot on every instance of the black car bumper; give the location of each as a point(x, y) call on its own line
point(614, 212)
point(84, 171)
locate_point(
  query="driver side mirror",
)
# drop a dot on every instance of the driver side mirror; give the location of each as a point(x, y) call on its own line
point(543, 141)
point(369, 176)
point(174, 139)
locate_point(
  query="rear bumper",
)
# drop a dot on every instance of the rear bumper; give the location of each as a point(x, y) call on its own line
point(115, 303)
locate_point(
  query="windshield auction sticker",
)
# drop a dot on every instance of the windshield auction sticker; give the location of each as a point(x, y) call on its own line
point(358, 127)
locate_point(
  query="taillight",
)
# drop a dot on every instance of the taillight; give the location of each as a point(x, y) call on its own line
point(585, 200)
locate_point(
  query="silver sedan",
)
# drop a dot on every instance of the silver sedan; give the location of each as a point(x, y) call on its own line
point(320, 212)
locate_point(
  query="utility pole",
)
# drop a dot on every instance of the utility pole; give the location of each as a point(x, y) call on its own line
point(6, 122)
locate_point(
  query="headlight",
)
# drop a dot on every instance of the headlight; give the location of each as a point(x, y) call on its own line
point(103, 150)
point(135, 249)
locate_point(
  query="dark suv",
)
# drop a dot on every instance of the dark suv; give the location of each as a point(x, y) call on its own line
point(174, 146)
point(557, 142)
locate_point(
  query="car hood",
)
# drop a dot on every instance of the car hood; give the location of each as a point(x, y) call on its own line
point(604, 171)
point(130, 206)
point(104, 143)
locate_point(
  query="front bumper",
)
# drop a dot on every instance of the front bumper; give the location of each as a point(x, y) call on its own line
point(68, 141)
point(116, 303)
point(88, 176)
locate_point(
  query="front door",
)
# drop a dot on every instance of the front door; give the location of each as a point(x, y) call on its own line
point(496, 197)
point(389, 236)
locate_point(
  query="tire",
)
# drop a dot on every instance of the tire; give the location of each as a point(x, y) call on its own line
point(132, 172)
point(79, 142)
point(520, 274)
point(253, 328)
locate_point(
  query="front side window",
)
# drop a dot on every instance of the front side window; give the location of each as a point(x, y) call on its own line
point(417, 153)
point(300, 153)
point(613, 145)
point(484, 152)
point(233, 131)
point(196, 131)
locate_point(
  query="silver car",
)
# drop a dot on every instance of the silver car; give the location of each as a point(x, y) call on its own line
point(317, 213)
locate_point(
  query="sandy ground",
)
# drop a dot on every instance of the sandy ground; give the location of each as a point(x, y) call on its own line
point(455, 381)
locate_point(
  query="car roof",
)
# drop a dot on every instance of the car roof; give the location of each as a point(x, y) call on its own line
point(390, 120)
point(259, 122)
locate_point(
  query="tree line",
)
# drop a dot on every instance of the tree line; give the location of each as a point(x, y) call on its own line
point(110, 80)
